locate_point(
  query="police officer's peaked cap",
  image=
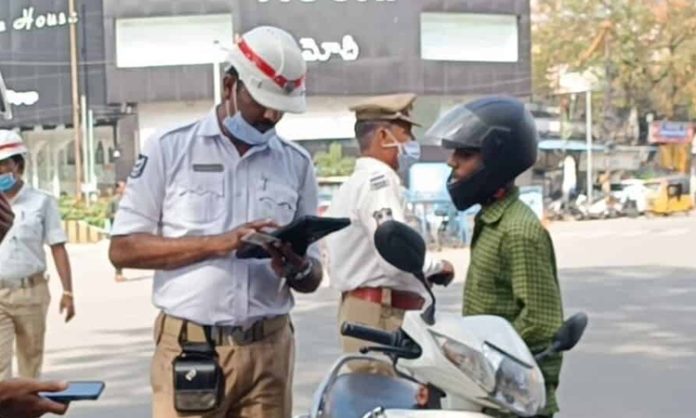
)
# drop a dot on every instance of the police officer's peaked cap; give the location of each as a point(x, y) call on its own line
point(390, 107)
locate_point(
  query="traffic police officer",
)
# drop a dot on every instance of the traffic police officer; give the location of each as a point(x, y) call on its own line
point(374, 293)
point(513, 265)
point(24, 295)
point(193, 194)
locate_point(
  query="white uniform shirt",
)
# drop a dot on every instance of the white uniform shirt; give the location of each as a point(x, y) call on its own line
point(36, 222)
point(366, 198)
point(191, 181)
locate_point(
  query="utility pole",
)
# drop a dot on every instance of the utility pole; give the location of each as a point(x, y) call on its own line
point(588, 139)
point(217, 84)
point(217, 78)
point(75, 98)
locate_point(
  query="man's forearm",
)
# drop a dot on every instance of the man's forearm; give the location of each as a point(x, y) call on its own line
point(60, 257)
point(147, 251)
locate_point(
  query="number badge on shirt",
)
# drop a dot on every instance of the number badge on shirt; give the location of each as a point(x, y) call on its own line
point(139, 167)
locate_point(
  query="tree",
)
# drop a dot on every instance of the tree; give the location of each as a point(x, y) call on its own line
point(333, 163)
point(646, 60)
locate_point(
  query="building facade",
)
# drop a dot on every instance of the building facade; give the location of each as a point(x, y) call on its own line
point(148, 65)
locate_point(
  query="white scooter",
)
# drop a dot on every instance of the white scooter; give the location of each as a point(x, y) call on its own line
point(447, 365)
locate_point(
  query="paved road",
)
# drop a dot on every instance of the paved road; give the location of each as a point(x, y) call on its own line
point(635, 278)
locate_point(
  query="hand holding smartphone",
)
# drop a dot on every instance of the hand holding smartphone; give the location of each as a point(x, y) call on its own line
point(76, 391)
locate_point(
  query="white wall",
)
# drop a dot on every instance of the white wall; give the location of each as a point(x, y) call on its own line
point(153, 117)
point(327, 117)
point(469, 37)
point(172, 40)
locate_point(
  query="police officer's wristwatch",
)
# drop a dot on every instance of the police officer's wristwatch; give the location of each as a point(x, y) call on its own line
point(297, 276)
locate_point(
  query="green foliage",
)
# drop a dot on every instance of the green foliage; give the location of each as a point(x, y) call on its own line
point(94, 214)
point(647, 61)
point(333, 163)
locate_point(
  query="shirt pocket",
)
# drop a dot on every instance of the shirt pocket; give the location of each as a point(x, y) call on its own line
point(29, 227)
point(199, 197)
point(276, 201)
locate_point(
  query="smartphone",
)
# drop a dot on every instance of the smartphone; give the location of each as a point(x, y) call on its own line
point(260, 239)
point(76, 391)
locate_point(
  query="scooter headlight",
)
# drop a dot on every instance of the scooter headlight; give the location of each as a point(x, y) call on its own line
point(519, 387)
point(470, 361)
point(512, 384)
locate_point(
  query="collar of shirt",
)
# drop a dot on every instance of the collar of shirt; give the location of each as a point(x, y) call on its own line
point(19, 194)
point(210, 127)
point(492, 213)
point(370, 163)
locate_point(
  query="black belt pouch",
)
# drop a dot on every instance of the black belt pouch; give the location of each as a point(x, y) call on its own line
point(199, 384)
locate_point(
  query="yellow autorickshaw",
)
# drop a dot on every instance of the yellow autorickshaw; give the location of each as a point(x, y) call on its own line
point(669, 195)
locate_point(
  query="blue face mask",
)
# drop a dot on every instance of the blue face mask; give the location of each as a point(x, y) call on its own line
point(7, 182)
point(409, 154)
point(243, 130)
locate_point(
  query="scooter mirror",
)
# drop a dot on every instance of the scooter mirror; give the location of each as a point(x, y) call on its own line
point(404, 249)
point(401, 246)
point(570, 332)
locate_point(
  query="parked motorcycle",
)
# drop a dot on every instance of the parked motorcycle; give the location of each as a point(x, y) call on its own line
point(449, 233)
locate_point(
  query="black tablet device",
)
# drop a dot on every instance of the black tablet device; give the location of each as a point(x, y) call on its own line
point(300, 233)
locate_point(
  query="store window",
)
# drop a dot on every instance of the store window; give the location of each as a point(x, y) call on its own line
point(177, 40)
point(469, 37)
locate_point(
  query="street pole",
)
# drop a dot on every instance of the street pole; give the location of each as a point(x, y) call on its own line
point(54, 169)
point(85, 146)
point(588, 138)
point(217, 78)
point(217, 89)
point(75, 99)
point(92, 150)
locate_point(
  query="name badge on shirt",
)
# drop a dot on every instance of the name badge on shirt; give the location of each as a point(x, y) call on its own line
point(378, 182)
point(208, 168)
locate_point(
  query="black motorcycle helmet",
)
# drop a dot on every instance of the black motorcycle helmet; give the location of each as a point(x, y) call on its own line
point(503, 130)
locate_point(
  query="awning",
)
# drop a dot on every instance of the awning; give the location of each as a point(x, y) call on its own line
point(569, 145)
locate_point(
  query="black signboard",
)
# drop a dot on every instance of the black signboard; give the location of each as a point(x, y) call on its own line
point(35, 59)
point(374, 46)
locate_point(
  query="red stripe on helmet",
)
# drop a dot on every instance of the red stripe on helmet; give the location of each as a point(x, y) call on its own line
point(12, 145)
point(267, 70)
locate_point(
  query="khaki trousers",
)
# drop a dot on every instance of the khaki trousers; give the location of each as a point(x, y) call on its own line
point(23, 319)
point(376, 315)
point(258, 376)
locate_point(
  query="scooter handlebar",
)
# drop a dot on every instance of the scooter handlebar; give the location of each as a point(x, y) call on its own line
point(369, 334)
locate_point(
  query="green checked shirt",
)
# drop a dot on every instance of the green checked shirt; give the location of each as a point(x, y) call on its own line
point(513, 275)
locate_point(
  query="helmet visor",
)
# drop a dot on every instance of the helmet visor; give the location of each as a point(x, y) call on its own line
point(459, 128)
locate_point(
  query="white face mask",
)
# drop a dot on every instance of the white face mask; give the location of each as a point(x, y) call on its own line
point(243, 130)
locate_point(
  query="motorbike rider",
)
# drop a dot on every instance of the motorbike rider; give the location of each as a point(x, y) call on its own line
point(513, 267)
